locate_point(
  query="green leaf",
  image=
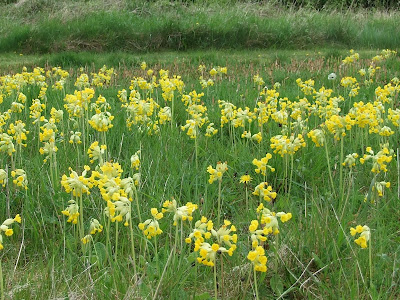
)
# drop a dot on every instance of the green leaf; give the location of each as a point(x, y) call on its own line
point(276, 284)
point(101, 253)
point(203, 296)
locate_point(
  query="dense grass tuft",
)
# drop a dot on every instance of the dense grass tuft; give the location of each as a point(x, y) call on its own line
point(138, 26)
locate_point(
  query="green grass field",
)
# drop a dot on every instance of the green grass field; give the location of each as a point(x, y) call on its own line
point(313, 256)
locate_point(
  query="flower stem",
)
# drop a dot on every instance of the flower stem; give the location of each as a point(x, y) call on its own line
point(116, 241)
point(291, 175)
point(219, 203)
point(341, 189)
point(215, 281)
point(1, 282)
point(133, 248)
point(137, 203)
point(255, 283)
point(155, 248)
point(370, 263)
point(329, 169)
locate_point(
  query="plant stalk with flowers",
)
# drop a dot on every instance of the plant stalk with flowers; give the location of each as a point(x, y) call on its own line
point(216, 174)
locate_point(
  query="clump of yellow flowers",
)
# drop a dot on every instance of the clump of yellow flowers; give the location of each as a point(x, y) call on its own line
point(380, 160)
point(216, 174)
point(264, 191)
point(180, 213)
point(365, 235)
point(150, 227)
point(225, 241)
point(72, 212)
point(262, 164)
point(6, 229)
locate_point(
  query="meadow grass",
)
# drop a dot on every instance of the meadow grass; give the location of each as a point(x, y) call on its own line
point(48, 26)
point(314, 256)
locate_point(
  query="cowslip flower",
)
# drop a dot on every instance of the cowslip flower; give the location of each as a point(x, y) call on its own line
point(262, 164)
point(317, 136)
point(201, 230)
point(287, 145)
point(101, 121)
point(95, 227)
point(264, 191)
point(208, 251)
point(20, 179)
point(224, 237)
point(75, 137)
point(5, 227)
point(258, 259)
point(258, 234)
point(216, 174)
point(3, 177)
point(379, 187)
point(135, 160)
point(380, 160)
point(123, 209)
point(150, 227)
point(180, 213)
point(365, 235)
point(6, 144)
point(77, 184)
point(350, 160)
point(270, 219)
point(72, 212)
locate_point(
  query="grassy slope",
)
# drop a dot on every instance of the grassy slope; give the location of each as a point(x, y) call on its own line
point(53, 26)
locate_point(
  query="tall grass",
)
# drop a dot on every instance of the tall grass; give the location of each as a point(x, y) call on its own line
point(153, 26)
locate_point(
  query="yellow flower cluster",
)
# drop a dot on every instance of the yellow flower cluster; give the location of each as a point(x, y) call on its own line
point(216, 174)
point(75, 137)
point(18, 131)
point(96, 152)
point(180, 213)
point(78, 103)
point(258, 259)
point(5, 227)
point(225, 242)
point(264, 191)
point(350, 160)
point(135, 160)
point(337, 125)
point(6, 144)
point(202, 230)
point(262, 164)
point(365, 235)
point(317, 136)
point(379, 187)
point(3, 177)
point(353, 57)
point(198, 117)
point(20, 179)
point(228, 112)
point(77, 184)
point(270, 219)
point(95, 227)
point(72, 212)
point(287, 145)
point(379, 160)
point(103, 77)
point(307, 87)
point(101, 121)
point(150, 227)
